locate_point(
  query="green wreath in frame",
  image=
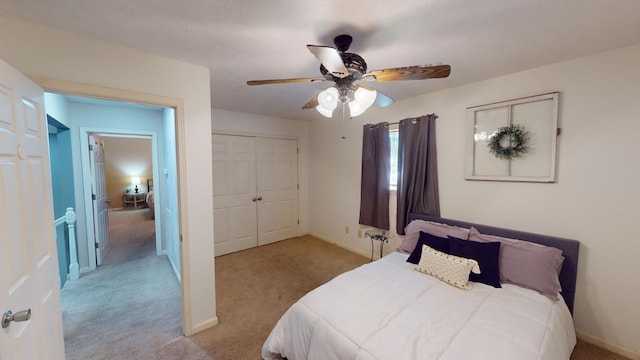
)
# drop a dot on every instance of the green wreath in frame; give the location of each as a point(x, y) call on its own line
point(517, 142)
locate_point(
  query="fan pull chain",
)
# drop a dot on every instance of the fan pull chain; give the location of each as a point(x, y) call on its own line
point(344, 117)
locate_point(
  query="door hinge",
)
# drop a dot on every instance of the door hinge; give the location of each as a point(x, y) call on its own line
point(93, 197)
point(298, 186)
point(97, 246)
point(90, 147)
point(298, 221)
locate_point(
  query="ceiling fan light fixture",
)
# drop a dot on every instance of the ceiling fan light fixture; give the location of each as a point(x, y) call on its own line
point(324, 112)
point(327, 101)
point(362, 100)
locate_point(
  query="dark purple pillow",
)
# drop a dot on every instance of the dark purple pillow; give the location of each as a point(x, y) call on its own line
point(486, 254)
point(435, 242)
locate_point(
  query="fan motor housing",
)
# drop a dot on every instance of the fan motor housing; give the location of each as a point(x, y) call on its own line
point(354, 63)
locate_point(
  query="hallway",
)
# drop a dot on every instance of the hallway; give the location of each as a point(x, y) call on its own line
point(130, 304)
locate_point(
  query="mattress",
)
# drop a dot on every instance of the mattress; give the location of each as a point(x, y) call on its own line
point(387, 310)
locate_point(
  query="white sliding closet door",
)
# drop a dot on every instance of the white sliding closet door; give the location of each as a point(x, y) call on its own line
point(234, 187)
point(255, 191)
point(278, 189)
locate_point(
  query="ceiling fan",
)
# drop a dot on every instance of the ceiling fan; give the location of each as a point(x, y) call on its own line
point(349, 73)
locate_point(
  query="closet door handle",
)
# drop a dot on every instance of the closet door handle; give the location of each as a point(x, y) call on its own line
point(259, 198)
point(254, 199)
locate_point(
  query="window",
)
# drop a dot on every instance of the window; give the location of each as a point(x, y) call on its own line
point(393, 147)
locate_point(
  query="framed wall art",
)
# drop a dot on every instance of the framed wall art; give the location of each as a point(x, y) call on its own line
point(513, 140)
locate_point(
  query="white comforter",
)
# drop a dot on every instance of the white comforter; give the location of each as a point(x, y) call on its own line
point(387, 310)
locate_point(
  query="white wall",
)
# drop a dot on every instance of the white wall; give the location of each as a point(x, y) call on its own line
point(57, 106)
point(53, 54)
point(231, 122)
point(596, 198)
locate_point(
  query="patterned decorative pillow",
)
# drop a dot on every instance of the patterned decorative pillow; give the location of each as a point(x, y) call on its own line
point(453, 270)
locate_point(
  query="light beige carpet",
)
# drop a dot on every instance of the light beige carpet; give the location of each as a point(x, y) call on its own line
point(130, 307)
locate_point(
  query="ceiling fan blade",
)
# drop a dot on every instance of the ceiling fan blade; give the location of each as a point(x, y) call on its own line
point(382, 99)
point(411, 73)
point(330, 58)
point(281, 81)
point(312, 103)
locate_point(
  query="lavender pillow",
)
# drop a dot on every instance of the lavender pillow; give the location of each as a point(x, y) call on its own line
point(434, 242)
point(412, 233)
point(530, 265)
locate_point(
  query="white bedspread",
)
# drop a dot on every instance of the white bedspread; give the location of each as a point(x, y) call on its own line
point(386, 310)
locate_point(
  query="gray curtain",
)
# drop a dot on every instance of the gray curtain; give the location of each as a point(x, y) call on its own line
point(417, 169)
point(374, 189)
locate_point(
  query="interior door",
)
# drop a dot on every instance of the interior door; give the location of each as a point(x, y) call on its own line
point(234, 188)
point(28, 259)
point(99, 195)
point(277, 189)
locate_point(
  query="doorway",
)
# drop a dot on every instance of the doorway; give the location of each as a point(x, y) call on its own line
point(163, 153)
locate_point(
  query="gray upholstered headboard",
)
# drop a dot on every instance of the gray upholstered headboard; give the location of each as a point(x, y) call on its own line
point(570, 249)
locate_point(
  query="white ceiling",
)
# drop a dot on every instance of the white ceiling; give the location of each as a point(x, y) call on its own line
point(240, 40)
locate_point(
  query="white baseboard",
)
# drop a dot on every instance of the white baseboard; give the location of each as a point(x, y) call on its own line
point(332, 242)
point(203, 326)
point(628, 353)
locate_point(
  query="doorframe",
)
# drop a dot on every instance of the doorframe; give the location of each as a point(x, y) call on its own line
point(106, 93)
point(86, 181)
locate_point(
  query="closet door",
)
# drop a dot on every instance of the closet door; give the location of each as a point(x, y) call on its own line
point(277, 187)
point(234, 188)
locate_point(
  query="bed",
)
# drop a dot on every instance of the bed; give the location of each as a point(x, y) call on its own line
point(388, 310)
point(151, 203)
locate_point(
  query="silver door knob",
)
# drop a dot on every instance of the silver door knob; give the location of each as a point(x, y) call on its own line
point(8, 317)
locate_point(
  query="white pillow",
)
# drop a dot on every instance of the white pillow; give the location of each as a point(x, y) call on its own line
point(453, 270)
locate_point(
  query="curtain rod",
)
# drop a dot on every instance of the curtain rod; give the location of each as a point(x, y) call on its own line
point(398, 122)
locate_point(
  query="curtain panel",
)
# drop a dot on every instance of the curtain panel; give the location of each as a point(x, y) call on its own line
point(417, 169)
point(374, 189)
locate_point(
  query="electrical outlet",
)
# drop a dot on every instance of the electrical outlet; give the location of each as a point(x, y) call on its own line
point(346, 229)
point(359, 233)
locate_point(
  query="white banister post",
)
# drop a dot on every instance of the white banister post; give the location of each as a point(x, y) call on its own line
point(70, 219)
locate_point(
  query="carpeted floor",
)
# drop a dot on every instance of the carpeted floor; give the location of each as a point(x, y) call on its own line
point(130, 307)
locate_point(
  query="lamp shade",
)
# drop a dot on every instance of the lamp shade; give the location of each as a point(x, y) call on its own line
point(327, 101)
point(362, 100)
point(135, 180)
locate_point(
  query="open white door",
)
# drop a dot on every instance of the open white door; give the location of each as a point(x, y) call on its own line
point(99, 195)
point(28, 261)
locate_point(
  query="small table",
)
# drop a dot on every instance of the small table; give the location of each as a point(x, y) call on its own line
point(376, 236)
point(135, 199)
